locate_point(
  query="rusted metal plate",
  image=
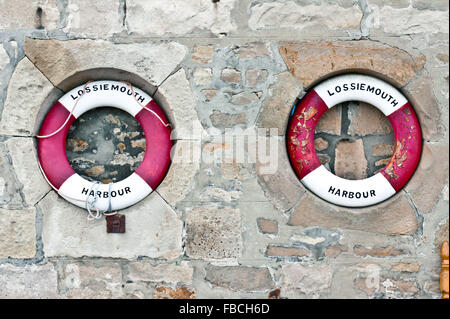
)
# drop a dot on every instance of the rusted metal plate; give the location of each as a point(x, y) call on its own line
point(115, 224)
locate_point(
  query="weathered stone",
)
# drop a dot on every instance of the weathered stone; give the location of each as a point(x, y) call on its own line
point(367, 120)
point(209, 94)
point(402, 287)
point(290, 15)
point(93, 18)
point(180, 177)
point(278, 251)
point(278, 104)
point(231, 75)
point(330, 122)
point(176, 94)
point(244, 98)
point(202, 76)
point(168, 273)
point(335, 250)
point(256, 77)
point(58, 60)
point(378, 251)
point(224, 120)
point(253, 50)
point(178, 293)
point(76, 145)
point(399, 21)
point(96, 170)
point(152, 229)
point(213, 233)
point(382, 149)
point(240, 278)
point(203, 54)
point(92, 279)
point(283, 187)
point(25, 163)
point(21, 14)
point(27, 90)
point(28, 282)
point(169, 18)
point(267, 226)
point(308, 279)
point(320, 144)
point(403, 267)
point(312, 61)
point(350, 162)
point(18, 235)
point(394, 216)
point(429, 179)
point(420, 91)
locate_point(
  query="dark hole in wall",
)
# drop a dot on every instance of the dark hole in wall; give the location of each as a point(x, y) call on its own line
point(38, 18)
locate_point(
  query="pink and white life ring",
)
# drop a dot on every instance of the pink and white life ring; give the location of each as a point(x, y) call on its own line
point(340, 191)
point(71, 186)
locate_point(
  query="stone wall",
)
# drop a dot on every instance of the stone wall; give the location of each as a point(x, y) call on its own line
point(223, 228)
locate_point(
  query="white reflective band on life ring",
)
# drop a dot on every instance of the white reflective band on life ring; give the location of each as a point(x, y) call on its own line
point(123, 193)
point(351, 193)
point(105, 93)
point(357, 87)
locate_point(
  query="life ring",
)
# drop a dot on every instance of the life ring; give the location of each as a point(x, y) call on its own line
point(340, 191)
point(71, 186)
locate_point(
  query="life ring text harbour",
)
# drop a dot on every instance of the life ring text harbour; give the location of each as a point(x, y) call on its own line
point(337, 190)
point(71, 186)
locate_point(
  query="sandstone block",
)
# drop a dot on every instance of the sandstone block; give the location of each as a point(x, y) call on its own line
point(253, 50)
point(170, 18)
point(58, 60)
point(231, 75)
point(350, 161)
point(240, 278)
point(93, 19)
point(290, 15)
point(267, 226)
point(182, 292)
point(308, 279)
point(283, 187)
point(312, 61)
point(203, 54)
point(28, 282)
point(213, 233)
point(176, 96)
point(22, 14)
point(422, 98)
point(279, 102)
point(404, 267)
point(25, 163)
point(278, 251)
point(92, 279)
point(394, 216)
point(378, 251)
point(27, 90)
point(430, 177)
point(152, 229)
point(382, 150)
point(18, 235)
point(168, 273)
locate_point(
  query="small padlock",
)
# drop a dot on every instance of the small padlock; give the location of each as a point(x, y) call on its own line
point(115, 224)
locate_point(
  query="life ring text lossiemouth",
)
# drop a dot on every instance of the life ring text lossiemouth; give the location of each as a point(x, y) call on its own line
point(337, 190)
point(71, 186)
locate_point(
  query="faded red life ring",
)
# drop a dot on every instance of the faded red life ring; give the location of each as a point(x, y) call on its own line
point(71, 186)
point(340, 191)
